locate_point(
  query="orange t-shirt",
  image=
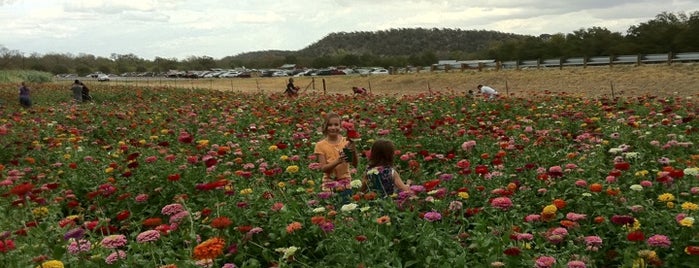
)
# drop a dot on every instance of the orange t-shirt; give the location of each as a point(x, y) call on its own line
point(331, 151)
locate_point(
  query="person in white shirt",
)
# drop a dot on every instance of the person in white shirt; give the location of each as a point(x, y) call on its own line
point(490, 92)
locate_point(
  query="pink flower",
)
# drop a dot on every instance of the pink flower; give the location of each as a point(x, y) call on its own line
point(659, 241)
point(646, 183)
point(433, 216)
point(178, 217)
point(468, 145)
point(172, 209)
point(115, 256)
point(545, 262)
point(113, 241)
point(148, 236)
point(151, 159)
point(502, 203)
point(277, 206)
point(575, 216)
point(576, 264)
point(77, 246)
point(141, 198)
point(532, 218)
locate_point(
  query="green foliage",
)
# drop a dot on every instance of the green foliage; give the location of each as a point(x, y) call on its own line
point(17, 76)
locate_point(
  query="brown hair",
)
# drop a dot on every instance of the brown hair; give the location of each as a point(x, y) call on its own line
point(329, 116)
point(381, 153)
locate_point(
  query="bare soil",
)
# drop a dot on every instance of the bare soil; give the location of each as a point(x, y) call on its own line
point(677, 80)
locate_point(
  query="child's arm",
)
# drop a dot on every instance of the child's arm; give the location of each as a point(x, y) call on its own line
point(399, 182)
point(355, 158)
point(328, 167)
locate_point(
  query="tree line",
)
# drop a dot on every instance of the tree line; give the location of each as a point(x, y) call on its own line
point(667, 32)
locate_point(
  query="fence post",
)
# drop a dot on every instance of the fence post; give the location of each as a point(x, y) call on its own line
point(560, 63)
point(538, 63)
point(447, 67)
point(611, 60)
point(463, 67)
point(325, 90)
point(432, 67)
point(669, 58)
point(498, 65)
point(638, 60)
point(584, 62)
point(480, 66)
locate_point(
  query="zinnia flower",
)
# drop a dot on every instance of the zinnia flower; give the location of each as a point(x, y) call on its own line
point(113, 241)
point(292, 227)
point(115, 256)
point(502, 203)
point(433, 216)
point(172, 209)
point(148, 236)
point(209, 249)
point(221, 223)
point(659, 241)
point(545, 262)
point(51, 264)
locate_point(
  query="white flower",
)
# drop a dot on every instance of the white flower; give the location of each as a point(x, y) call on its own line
point(365, 209)
point(348, 207)
point(356, 183)
point(636, 187)
point(373, 171)
point(288, 252)
point(615, 150)
point(587, 194)
point(691, 171)
point(631, 155)
point(319, 210)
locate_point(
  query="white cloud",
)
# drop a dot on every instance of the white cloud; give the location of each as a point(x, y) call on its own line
point(217, 28)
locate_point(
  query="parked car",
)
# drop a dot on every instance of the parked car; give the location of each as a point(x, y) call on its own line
point(103, 77)
point(379, 72)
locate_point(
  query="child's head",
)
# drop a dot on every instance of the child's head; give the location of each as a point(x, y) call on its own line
point(330, 119)
point(381, 153)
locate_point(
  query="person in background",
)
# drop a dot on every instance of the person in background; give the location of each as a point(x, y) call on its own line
point(487, 91)
point(77, 89)
point(380, 176)
point(291, 90)
point(358, 90)
point(334, 162)
point(25, 96)
point(85, 92)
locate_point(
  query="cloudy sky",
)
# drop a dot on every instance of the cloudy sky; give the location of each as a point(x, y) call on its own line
point(183, 28)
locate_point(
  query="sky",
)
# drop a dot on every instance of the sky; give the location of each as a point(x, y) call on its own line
point(185, 28)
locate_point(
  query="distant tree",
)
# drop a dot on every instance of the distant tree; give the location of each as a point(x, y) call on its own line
point(350, 60)
point(659, 35)
point(83, 70)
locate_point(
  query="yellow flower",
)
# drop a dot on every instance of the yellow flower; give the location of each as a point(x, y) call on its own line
point(666, 197)
point(272, 148)
point(292, 169)
point(550, 209)
point(463, 195)
point(203, 142)
point(51, 264)
point(40, 212)
point(641, 173)
point(670, 205)
point(356, 184)
point(281, 184)
point(154, 137)
point(687, 222)
point(246, 191)
point(690, 206)
point(66, 156)
point(164, 131)
point(108, 170)
point(284, 157)
point(141, 141)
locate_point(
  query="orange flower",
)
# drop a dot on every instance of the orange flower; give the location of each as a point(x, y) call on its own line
point(559, 203)
point(209, 249)
point(370, 196)
point(569, 224)
point(596, 187)
point(292, 227)
point(599, 219)
point(613, 191)
point(383, 220)
point(221, 223)
point(318, 220)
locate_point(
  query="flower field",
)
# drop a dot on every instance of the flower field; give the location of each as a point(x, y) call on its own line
point(163, 177)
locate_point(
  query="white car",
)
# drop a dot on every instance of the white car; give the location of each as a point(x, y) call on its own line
point(103, 77)
point(379, 71)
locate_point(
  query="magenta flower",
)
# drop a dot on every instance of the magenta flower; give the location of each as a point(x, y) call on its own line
point(77, 246)
point(115, 256)
point(468, 145)
point(659, 241)
point(433, 216)
point(502, 203)
point(148, 236)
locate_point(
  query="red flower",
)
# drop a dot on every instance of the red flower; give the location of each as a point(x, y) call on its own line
point(361, 238)
point(244, 228)
point(430, 185)
point(622, 166)
point(173, 177)
point(22, 189)
point(635, 236)
point(353, 134)
point(123, 215)
point(692, 250)
point(513, 251)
